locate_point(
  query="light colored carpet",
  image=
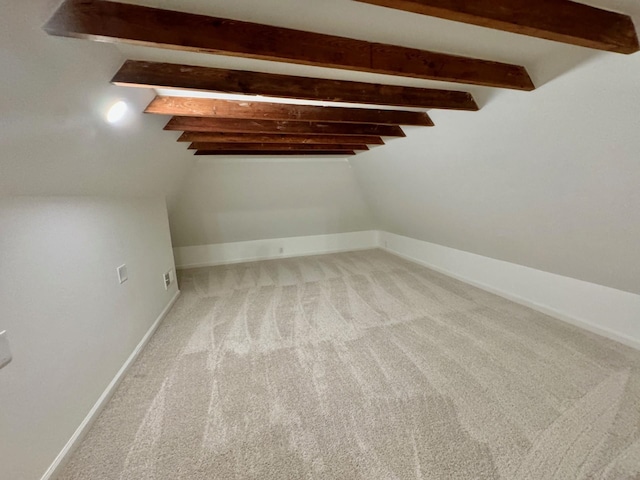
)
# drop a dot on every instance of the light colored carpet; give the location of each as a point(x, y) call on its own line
point(364, 366)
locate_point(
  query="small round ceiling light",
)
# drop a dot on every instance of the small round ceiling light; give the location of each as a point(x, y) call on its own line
point(117, 112)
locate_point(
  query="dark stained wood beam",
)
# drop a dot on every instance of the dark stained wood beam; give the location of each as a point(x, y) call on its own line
point(273, 146)
point(114, 22)
point(559, 20)
point(231, 125)
point(215, 108)
point(288, 139)
point(296, 153)
point(185, 77)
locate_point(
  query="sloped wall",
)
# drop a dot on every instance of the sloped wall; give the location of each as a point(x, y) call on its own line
point(54, 137)
point(548, 179)
point(70, 323)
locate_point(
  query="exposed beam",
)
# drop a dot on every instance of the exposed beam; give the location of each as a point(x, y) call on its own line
point(559, 20)
point(230, 125)
point(297, 153)
point(211, 107)
point(169, 75)
point(133, 24)
point(273, 146)
point(288, 139)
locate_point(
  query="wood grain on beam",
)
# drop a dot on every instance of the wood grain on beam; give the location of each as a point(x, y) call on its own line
point(559, 20)
point(169, 75)
point(288, 139)
point(124, 23)
point(273, 146)
point(232, 125)
point(297, 153)
point(211, 107)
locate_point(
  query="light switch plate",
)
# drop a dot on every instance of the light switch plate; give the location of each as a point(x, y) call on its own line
point(5, 352)
point(123, 275)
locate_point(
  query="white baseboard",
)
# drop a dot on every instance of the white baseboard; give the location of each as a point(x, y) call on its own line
point(602, 310)
point(239, 252)
point(60, 461)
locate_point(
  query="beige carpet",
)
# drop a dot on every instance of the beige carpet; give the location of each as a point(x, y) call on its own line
point(364, 366)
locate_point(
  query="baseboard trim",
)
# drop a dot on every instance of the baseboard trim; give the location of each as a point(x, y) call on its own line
point(527, 279)
point(256, 250)
point(75, 440)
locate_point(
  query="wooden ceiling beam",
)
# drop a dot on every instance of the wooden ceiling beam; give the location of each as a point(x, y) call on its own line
point(168, 75)
point(297, 153)
point(216, 108)
point(559, 20)
point(114, 22)
point(288, 139)
point(231, 125)
point(273, 146)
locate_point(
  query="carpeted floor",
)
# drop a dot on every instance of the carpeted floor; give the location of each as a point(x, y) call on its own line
point(364, 366)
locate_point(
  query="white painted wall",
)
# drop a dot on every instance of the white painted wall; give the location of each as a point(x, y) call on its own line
point(70, 323)
point(236, 200)
point(53, 134)
point(547, 179)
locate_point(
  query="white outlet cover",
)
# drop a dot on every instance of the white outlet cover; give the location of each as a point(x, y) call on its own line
point(123, 275)
point(5, 351)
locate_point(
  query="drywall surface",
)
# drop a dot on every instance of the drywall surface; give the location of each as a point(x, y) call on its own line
point(54, 136)
point(547, 179)
point(70, 323)
point(236, 200)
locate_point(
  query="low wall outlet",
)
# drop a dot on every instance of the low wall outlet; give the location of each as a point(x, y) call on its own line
point(5, 352)
point(167, 280)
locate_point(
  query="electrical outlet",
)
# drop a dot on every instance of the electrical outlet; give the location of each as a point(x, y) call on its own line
point(123, 274)
point(5, 352)
point(281, 250)
point(168, 279)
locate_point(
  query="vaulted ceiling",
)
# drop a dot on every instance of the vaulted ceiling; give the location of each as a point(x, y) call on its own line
point(281, 129)
point(545, 178)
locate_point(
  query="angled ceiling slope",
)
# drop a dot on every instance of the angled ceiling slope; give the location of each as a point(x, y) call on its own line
point(124, 23)
point(219, 127)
